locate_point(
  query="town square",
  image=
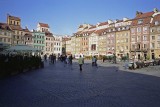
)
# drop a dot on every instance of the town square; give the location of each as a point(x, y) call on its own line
point(87, 53)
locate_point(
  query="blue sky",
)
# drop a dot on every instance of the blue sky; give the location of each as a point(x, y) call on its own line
point(64, 16)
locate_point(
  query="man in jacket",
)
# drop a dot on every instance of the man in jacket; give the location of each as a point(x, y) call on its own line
point(81, 62)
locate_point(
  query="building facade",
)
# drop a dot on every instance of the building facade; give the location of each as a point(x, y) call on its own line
point(140, 35)
point(49, 43)
point(39, 40)
point(15, 24)
point(5, 34)
point(122, 37)
point(57, 45)
point(155, 35)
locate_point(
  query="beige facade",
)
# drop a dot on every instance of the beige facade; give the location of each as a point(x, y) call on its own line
point(73, 44)
point(122, 37)
point(15, 24)
point(5, 33)
point(68, 47)
point(155, 36)
point(102, 44)
point(49, 44)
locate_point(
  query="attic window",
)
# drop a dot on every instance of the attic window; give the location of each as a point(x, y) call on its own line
point(140, 21)
point(156, 23)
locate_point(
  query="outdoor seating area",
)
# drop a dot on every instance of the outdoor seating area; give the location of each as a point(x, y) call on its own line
point(141, 64)
point(19, 58)
point(14, 64)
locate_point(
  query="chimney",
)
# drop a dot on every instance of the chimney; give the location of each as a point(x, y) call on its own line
point(137, 13)
point(155, 10)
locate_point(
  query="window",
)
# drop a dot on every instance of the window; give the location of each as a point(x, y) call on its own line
point(156, 22)
point(0, 39)
point(133, 39)
point(153, 37)
point(93, 47)
point(158, 45)
point(144, 46)
point(9, 40)
point(140, 21)
point(145, 28)
point(126, 40)
point(144, 38)
point(158, 37)
point(139, 29)
point(138, 38)
point(152, 30)
point(152, 45)
point(126, 47)
point(133, 30)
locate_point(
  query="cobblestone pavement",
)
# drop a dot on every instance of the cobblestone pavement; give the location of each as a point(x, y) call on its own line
point(63, 85)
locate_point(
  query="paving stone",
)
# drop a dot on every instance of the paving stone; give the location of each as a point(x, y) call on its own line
point(108, 85)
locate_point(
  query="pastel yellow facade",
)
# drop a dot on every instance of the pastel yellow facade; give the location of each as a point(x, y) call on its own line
point(122, 43)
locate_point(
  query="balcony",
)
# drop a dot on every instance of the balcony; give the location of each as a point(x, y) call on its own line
point(140, 50)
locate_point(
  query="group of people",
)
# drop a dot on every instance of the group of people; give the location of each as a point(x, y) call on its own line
point(63, 58)
point(68, 59)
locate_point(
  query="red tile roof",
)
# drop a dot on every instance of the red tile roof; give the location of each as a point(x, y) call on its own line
point(48, 34)
point(28, 35)
point(146, 17)
point(26, 30)
point(143, 15)
point(156, 18)
point(103, 23)
point(92, 27)
point(13, 27)
point(44, 25)
point(5, 26)
point(99, 32)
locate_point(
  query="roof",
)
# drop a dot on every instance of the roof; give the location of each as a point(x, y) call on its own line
point(14, 27)
point(81, 26)
point(5, 26)
point(146, 17)
point(100, 31)
point(48, 34)
point(156, 18)
point(92, 27)
point(143, 15)
point(103, 23)
point(14, 18)
point(44, 25)
point(26, 30)
point(28, 35)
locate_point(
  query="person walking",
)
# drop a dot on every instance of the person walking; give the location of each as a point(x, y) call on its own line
point(70, 59)
point(81, 62)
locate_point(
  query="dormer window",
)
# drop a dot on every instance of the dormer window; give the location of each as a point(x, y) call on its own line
point(156, 22)
point(140, 21)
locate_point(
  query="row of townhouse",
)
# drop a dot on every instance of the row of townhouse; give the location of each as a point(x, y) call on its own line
point(12, 34)
point(137, 38)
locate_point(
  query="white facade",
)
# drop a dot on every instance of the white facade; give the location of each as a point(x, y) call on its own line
point(43, 27)
point(68, 46)
point(57, 45)
point(73, 45)
point(93, 40)
point(49, 45)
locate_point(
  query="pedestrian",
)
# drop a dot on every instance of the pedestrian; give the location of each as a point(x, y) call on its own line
point(70, 59)
point(81, 62)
